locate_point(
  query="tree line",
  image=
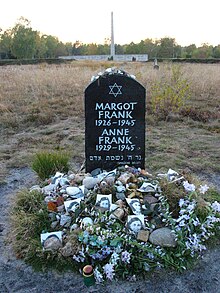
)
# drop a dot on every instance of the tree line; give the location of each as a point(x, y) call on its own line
point(22, 42)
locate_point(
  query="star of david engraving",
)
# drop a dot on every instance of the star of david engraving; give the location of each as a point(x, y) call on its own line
point(115, 89)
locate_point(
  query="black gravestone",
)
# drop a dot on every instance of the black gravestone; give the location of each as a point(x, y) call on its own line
point(114, 122)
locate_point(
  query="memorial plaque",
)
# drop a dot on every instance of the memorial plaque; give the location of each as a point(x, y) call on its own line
point(114, 122)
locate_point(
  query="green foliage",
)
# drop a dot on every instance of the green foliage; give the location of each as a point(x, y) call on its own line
point(29, 202)
point(46, 163)
point(29, 218)
point(23, 42)
point(212, 195)
point(173, 192)
point(170, 96)
point(167, 47)
point(5, 42)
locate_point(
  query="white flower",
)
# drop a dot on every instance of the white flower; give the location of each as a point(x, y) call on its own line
point(203, 189)
point(109, 271)
point(189, 187)
point(126, 256)
point(98, 276)
point(182, 211)
point(78, 258)
point(190, 208)
point(114, 258)
point(181, 202)
point(183, 217)
point(196, 222)
point(212, 219)
point(182, 223)
point(216, 206)
point(150, 255)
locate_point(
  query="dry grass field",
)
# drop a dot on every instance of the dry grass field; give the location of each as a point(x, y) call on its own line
point(42, 107)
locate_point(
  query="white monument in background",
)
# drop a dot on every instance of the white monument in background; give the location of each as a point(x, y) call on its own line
point(112, 38)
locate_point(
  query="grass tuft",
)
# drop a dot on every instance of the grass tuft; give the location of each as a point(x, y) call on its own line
point(47, 163)
point(29, 218)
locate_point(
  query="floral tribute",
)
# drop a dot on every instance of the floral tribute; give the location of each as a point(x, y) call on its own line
point(125, 223)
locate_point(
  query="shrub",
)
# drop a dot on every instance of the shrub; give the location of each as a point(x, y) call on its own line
point(47, 163)
point(169, 96)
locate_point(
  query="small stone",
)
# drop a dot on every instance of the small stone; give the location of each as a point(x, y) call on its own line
point(48, 188)
point(163, 237)
point(90, 182)
point(87, 221)
point(132, 194)
point(133, 179)
point(96, 172)
point(143, 235)
point(120, 203)
point(103, 184)
point(150, 199)
point(67, 250)
point(56, 178)
point(63, 182)
point(74, 191)
point(52, 243)
point(120, 195)
point(119, 213)
point(60, 201)
point(65, 221)
point(110, 180)
point(113, 207)
point(65, 196)
point(145, 173)
point(153, 205)
point(71, 176)
point(49, 198)
point(101, 209)
point(131, 186)
point(54, 224)
point(62, 190)
point(52, 216)
point(73, 227)
point(85, 191)
point(79, 178)
point(121, 188)
point(124, 178)
point(118, 183)
point(35, 188)
point(60, 208)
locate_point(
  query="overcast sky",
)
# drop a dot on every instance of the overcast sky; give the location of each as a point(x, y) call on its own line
point(188, 21)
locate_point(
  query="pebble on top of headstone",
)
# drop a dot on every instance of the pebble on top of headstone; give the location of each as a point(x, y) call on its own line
point(114, 121)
